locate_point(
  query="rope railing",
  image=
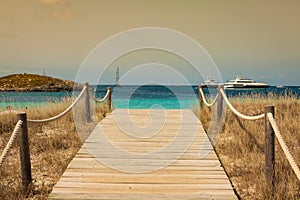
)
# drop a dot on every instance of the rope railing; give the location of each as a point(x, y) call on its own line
point(271, 128)
point(237, 112)
point(62, 113)
point(107, 97)
point(23, 135)
point(204, 99)
point(103, 99)
point(284, 146)
point(10, 142)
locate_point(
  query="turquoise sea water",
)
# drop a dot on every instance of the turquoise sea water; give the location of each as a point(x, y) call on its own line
point(138, 97)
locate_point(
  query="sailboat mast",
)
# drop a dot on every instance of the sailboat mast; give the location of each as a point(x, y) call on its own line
point(117, 75)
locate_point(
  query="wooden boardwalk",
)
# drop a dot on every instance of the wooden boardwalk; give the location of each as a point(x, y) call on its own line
point(165, 156)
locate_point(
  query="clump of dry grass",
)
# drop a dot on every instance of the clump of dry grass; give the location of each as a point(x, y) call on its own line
point(241, 146)
point(52, 147)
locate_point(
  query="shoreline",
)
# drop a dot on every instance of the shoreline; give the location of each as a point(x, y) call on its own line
point(37, 90)
point(36, 83)
point(18, 100)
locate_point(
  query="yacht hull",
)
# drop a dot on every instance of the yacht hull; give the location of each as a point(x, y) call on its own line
point(247, 87)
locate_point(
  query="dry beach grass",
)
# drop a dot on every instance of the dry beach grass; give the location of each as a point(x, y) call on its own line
point(52, 146)
point(240, 146)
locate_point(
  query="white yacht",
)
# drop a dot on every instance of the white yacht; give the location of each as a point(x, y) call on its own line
point(243, 83)
point(210, 82)
point(280, 86)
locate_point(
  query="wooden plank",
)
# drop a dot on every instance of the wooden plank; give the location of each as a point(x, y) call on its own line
point(188, 169)
point(132, 161)
point(190, 156)
point(146, 180)
point(73, 187)
point(189, 151)
point(139, 188)
point(101, 145)
point(169, 169)
point(143, 176)
point(221, 195)
point(165, 171)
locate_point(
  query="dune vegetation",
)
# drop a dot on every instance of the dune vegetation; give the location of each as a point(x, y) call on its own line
point(240, 145)
point(52, 147)
point(36, 83)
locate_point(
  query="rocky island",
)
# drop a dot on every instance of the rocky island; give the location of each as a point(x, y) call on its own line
point(36, 83)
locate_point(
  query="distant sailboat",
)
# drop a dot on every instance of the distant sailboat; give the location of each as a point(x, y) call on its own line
point(117, 77)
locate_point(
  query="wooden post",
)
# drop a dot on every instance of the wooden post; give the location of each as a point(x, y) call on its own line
point(87, 103)
point(109, 99)
point(24, 152)
point(200, 97)
point(219, 103)
point(269, 152)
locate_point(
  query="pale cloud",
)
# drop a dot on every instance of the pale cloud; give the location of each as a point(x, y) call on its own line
point(6, 18)
point(7, 35)
point(64, 14)
point(7, 29)
point(51, 2)
point(59, 9)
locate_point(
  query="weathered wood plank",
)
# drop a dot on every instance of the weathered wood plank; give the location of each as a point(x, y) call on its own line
point(189, 169)
point(143, 176)
point(169, 169)
point(108, 196)
point(140, 188)
point(129, 162)
point(147, 180)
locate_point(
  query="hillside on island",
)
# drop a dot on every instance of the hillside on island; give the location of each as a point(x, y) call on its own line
point(36, 83)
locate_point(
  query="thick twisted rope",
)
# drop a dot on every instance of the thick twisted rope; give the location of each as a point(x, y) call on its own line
point(284, 146)
point(237, 112)
point(100, 100)
point(10, 142)
point(63, 113)
point(204, 100)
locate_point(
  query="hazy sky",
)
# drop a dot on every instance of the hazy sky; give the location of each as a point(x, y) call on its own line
point(257, 38)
